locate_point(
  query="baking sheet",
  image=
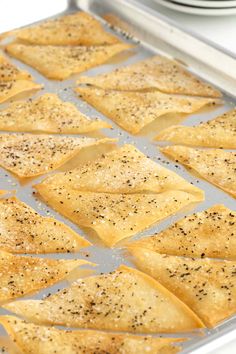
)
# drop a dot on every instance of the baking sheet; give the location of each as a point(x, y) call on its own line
point(109, 259)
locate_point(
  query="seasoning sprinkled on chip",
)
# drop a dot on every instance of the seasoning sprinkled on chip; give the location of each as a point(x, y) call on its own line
point(219, 133)
point(23, 230)
point(207, 286)
point(135, 110)
point(22, 275)
point(215, 165)
point(123, 300)
point(158, 73)
point(79, 28)
point(60, 62)
point(113, 216)
point(123, 170)
point(9, 72)
point(47, 114)
point(31, 338)
point(209, 233)
point(14, 81)
point(118, 194)
point(29, 155)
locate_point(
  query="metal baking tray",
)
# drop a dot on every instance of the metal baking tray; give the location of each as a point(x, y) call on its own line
point(156, 34)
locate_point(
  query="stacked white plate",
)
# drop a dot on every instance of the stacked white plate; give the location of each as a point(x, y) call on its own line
point(201, 7)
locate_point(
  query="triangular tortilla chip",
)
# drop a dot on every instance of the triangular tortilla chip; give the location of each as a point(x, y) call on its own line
point(9, 72)
point(215, 165)
point(11, 89)
point(60, 62)
point(23, 230)
point(157, 72)
point(124, 300)
point(219, 132)
point(113, 216)
point(134, 110)
point(209, 233)
point(31, 338)
point(47, 114)
point(78, 28)
point(21, 275)
point(14, 81)
point(123, 170)
point(29, 155)
point(207, 286)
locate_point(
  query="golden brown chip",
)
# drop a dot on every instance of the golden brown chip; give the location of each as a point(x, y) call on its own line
point(215, 165)
point(134, 110)
point(209, 233)
point(60, 62)
point(7, 345)
point(79, 28)
point(123, 170)
point(124, 300)
point(157, 72)
point(14, 81)
point(9, 72)
point(113, 217)
point(29, 155)
point(21, 275)
point(207, 286)
point(109, 195)
point(10, 89)
point(47, 114)
point(32, 339)
point(23, 230)
point(219, 132)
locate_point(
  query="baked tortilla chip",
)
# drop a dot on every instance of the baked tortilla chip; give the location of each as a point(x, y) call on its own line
point(21, 275)
point(113, 217)
point(31, 339)
point(207, 286)
point(134, 110)
point(219, 133)
point(158, 73)
point(11, 89)
point(119, 194)
point(23, 230)
point(123, 300)
point(8, 346)
point(124, 170)
point(78, 28)
point(9, 72)
point(215, 165)
point(14, 81)
point(209, 233)
point(60, 62)
point(29, 155)
point(47, 114)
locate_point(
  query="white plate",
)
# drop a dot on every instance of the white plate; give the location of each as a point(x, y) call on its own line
point(197, 10)
point(208, 3)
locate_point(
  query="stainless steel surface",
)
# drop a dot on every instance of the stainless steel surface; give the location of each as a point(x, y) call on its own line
point(156, 37)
